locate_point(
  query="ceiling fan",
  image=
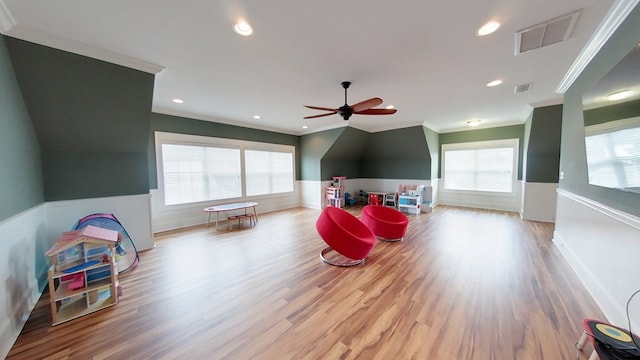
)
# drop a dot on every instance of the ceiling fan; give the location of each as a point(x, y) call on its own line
point(362, 108)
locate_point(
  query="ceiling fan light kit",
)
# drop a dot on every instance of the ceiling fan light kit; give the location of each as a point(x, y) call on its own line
point(365, 107)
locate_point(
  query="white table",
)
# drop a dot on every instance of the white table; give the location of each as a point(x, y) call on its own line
point(229, 207)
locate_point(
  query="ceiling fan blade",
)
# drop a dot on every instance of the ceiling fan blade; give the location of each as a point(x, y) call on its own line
point(320, 108)
point(377, 112)
point(321, 115)
point(367, 104)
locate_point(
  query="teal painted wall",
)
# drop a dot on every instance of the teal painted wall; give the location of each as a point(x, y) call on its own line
point(573, 161)
point(497, 133)
point(21, 175)
point(181, 125)
point(344, 156)
point(397, 154)
point(393, 154)
point(91, 119)
point(624, 110)
point(542, 159)
point(313, 147)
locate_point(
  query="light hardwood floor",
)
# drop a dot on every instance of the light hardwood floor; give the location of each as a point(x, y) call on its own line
point(464, 284)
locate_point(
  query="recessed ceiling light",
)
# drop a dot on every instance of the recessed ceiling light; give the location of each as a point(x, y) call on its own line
point(257, 117)
point(389, 107)
point(488, 28)
point(305, 127)
point(494, 83)
point(473, 122)
point(243, 28)
point(619, 95)
point(177, 101)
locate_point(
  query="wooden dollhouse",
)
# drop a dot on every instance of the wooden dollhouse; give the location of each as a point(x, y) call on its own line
point(83, 277)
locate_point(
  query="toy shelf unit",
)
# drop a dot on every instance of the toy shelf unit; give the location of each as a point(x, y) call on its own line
point(410, 203)
point(334, 194)
point(414, 199)
point(83, 276)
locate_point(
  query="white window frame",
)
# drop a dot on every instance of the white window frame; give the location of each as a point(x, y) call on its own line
point(479, 145)
point(198, 140)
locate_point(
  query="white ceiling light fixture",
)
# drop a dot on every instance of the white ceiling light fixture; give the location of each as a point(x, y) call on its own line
point(243, 28)
point(619, 95)
point(257, 117)
point(474, 122)
point(177, 101)
point(305, 127)
point(488, 28)
point(494, 83)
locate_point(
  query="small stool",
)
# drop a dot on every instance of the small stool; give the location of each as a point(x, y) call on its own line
point(232, 218)
point(241, 219)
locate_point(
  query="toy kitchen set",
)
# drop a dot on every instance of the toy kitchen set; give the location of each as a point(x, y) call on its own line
point(416, 200)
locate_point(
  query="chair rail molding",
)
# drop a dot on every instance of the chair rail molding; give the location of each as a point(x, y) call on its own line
point(601, 245)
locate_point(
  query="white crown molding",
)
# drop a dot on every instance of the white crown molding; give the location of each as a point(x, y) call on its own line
point(429, 125)
point(43, 38)
point(6, 19)
point(526, 112)
point(550, 102)
point(616, 15)
point(9, 26)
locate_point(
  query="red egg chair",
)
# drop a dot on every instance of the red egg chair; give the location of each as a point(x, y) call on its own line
point(346, 235)
point(388, 224)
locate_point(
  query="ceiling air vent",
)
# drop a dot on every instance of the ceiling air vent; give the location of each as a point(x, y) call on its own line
point(522, 88)
point(547, 33)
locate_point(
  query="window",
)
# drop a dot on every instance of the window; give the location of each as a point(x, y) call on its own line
point(200, 173)
point(194, 169)
point(268, 172)
point(488, 166)
point(613, 154)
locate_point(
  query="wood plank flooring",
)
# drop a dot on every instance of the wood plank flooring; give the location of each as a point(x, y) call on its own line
point(464, 284)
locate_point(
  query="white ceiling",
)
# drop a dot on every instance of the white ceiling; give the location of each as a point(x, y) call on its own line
point(421, 56)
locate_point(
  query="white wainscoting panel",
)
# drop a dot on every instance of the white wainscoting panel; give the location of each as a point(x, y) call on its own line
point(133, 212)
point(510, 202)
point(602, 245)
point(435, 185)
point(390, 185)
point(311, 194)
point(539, 201)
point(24, 242)
point(166, 218)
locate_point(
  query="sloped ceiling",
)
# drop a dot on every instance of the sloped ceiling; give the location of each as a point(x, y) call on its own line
point(422, 57)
